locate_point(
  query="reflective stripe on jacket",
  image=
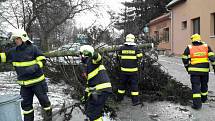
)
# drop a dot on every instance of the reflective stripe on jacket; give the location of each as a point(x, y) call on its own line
point(27, 60)
point(199, 58)
point(128, 56)
point(3, 57)
point(97, 77)
point(196, 58)
point(198, 54)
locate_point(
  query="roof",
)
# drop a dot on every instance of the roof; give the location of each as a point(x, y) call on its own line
point(160, 19)
point(173, 3)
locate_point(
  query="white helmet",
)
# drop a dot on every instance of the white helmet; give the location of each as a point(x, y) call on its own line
point(130, 39)
point(87, 50)
point(20, 33)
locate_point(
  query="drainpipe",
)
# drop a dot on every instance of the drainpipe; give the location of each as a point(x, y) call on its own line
point(171, 30)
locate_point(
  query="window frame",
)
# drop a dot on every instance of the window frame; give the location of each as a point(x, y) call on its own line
point(184, 25)
point(196, 26)
point(166, 34)
point(213, 14)
point(157, 36)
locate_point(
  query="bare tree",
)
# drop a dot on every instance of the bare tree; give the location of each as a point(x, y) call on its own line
point(11, 9)
point(52, 13)
point(46, 14)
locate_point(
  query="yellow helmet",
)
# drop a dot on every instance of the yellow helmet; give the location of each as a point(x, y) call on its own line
point(196, 37)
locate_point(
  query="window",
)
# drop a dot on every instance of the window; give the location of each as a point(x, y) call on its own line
point(156, 33)
point(213, 24)
point(196, 25)
point(166, 34)
point(184, 25)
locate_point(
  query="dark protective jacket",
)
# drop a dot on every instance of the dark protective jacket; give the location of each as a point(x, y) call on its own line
point(196, 58)
point(128, 58)
point(27, 60)
point(97, 77)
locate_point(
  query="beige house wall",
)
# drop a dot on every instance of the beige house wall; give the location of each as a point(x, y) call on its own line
point(187, 11)
point(160, 26)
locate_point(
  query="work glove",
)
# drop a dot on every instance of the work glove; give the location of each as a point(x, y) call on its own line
point(95, 95)
point(95, 56)
point(84, 97)
point(142, 64)
point(43, 62)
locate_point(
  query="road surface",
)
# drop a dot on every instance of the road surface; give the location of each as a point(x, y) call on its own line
point(166, 111)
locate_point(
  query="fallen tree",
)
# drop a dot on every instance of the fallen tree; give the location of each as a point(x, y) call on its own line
point(154, 83)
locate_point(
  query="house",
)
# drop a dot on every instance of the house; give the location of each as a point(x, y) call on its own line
point(185, 17)
point(159, 29)
point(189, 17)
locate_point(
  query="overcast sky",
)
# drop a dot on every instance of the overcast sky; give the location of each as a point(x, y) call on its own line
point(87, 19)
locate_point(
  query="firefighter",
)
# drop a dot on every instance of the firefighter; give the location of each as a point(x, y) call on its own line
point(196, 61)
point(98, 86)
point(28, 62)
point(128, 56)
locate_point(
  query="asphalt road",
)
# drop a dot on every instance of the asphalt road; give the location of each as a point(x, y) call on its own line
point(175, 67)
point(167, 111)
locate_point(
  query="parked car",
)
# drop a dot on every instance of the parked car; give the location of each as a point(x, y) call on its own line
point(75, 47)
point(69, 59)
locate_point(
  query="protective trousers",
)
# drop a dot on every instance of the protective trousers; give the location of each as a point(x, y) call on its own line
point(27, 93)
point(126, 82)
point(199, 89)
point(95, 105)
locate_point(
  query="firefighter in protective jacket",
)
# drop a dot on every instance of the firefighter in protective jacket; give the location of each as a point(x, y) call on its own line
point(98, 83)
point(196, 61)
point(28, 62)
point(128, 60)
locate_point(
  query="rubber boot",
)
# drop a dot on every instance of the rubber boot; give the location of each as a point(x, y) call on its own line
point(197, 104)
point(135, 100)
point(29, 117)
point(47, 115)
point(119, 97)
point(204, 98)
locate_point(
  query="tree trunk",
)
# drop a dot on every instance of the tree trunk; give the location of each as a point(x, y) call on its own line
point(44, 42)
point(75, 53)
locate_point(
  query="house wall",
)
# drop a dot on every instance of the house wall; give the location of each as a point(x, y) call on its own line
point(160, 26)
point(187, 11)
